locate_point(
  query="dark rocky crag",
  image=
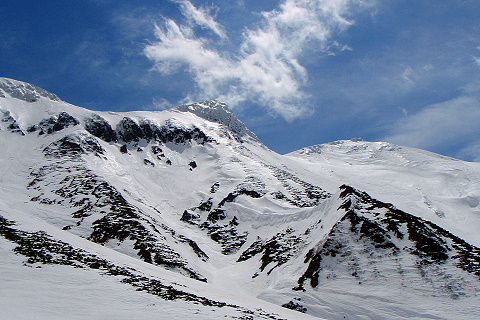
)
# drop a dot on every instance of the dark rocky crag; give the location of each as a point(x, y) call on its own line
point(96, 203)
point(378, 233)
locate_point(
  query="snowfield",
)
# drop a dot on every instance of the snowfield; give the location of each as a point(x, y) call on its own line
point(185, 213)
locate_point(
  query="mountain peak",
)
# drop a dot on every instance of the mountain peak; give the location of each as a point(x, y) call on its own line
point(170, 205)
point(23, 91)
point(218, 112)
point(356, 148)
point(206, 105)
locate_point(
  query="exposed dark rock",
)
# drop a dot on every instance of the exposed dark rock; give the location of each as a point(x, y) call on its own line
point(382, 232)
point(254, 249)
point(156, 150)
point(53, 124)
point(218, 226)
point(294, 305)
point(114, 218)
point(171, 132)
point(227, 236)
point(125, 222)
point(11, 123)
point(148, 163)
point(100, 128)
point(64, 120)
point(192, 164)
point(149, 130)
point(40, 247)
point(215, 187)
point(278, 250)
point(252, 187)
point(73, 146)
point(218, 112)
point(190, 217)
point(128, 130)
point(181, 238)
point(307, 195)
point(206, 205)
point(229, 198)
point(123, 149)
point(216, 215)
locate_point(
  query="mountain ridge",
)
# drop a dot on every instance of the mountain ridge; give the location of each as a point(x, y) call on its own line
point(192, 196)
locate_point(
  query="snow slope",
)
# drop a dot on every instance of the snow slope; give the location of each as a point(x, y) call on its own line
point(184, 212)
point(437, 188)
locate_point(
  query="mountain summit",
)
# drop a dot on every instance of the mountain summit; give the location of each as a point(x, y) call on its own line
point(23, 91)
point(185, 213)
point(218, 112)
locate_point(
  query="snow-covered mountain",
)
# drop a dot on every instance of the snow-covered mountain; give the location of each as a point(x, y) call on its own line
point(185, 212)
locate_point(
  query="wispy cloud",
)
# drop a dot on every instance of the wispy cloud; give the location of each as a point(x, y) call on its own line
point(477, 60)
point(202, 17)
point(159, 103)
point(409, 76)
point(453, 122)
point(266, 67)
point(178, 47)
point(471, 152)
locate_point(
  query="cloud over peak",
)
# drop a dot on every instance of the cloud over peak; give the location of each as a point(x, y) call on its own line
point(265, 68)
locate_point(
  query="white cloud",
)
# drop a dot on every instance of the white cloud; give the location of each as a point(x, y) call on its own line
point(266, 69)
point(453, 122)
point(477, 60)
point(159, 103)
point(177, 46)
point(428, 67)
point(471, 152)
point(202, 17)
point(409, 75)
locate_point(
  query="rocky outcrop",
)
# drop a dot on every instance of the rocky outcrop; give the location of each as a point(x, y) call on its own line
point(40, 248)
point(100, 128)
point(215, 220)
point(300, 193)
point(10, 123)
point(275, 251)
point(74, 145)
point(130, 131)
point(373, 235)
point(98, 208)
point(218, 112)
point(53, 124)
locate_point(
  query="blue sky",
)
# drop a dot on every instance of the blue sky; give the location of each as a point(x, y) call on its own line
point(296, 72)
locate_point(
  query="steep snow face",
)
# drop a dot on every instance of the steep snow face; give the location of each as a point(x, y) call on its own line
point(186, 204)
point(362, 254)
point(437, 188)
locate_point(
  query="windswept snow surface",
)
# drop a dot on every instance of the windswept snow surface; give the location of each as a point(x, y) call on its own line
point(185, 213)
point(437, 188)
